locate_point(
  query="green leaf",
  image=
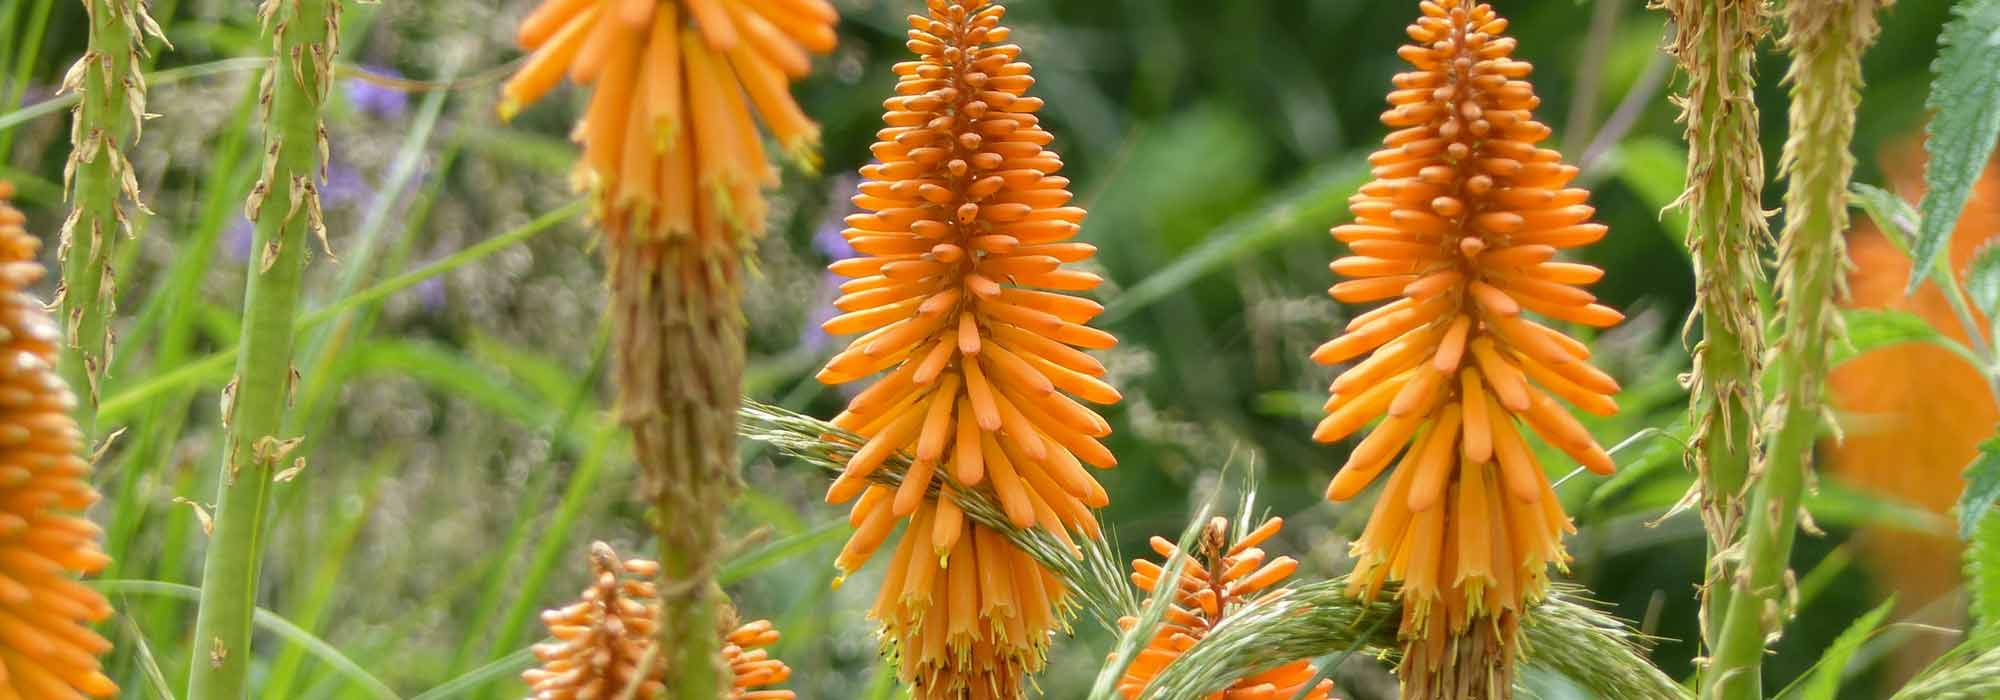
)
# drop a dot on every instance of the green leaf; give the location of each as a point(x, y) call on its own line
point(270, 622)
point(1982, 569)
point(1824, 683)
point(1873, 329)
point(1982, 487)
point(1965, 108)
point(1314, 203)
point(1982, 279)
point(1895, 217)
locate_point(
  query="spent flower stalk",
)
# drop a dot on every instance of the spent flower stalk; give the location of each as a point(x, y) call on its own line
point(1826, 39)
point(304, 36)
point(110, 109)
point(1716, 46)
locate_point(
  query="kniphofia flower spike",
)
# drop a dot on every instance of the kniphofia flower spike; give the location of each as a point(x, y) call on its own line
point(1460, 227)
point(670, 146)
point(1223, 575)
point(959, 292)
point(47, 649)
point(602, 640)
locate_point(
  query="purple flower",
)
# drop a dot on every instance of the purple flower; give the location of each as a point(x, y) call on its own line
point(238, 239)
point(430, 294)
point(376, 100)
point(344, 185)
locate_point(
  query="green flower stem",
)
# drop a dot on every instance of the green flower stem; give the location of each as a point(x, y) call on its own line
point(111, 97)
point(1826, 39)
point(1716, 44)
point(285, 205)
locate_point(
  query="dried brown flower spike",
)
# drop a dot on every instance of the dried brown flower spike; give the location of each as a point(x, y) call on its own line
point(47, 649)
point(603, 639)
point(1219, 578)
point(1462, 222)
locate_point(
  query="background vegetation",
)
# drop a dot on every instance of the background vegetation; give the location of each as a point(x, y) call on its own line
point(458, 454)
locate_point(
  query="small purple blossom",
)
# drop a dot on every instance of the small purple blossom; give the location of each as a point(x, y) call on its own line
point(375, 100)
point(238, 240)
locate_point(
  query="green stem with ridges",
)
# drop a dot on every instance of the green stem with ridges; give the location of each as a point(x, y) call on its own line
point(1826, 39)
point(285, 205)
point(112, 96)
point(1716, 45)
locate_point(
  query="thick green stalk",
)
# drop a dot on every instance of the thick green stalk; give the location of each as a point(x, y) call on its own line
point(284, 204)
point(111, 105)
point(1825, 39)
point(1716, 45)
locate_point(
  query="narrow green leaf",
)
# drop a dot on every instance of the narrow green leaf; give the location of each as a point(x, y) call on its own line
point(1965, 121)
point(503, 667)
point(1317, 201)
point(1824, 683)
point(1982, 570)
point(750, 563)
point(1872, 329)
point(270, 622)
point(1895, 217)
point(1982, 487)
point(1982, 279)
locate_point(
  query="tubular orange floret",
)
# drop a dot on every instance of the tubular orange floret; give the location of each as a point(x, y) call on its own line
point(48, 649)
point(964, 226)
point(670, 146)
point(1224, 574)
point(603, 639)
point(1462, 220)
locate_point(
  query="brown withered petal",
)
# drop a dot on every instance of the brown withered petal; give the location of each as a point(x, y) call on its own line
point(1461, 226)
point(47, 649)
point(1221, 576)
point(603, 640)
point(960, 294)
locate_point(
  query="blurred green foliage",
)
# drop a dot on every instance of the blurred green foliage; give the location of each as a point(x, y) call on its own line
point(459, 456)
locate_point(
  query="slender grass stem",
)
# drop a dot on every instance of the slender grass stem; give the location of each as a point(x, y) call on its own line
point(285, 206)
point(1716, 44)
point(1826, 39)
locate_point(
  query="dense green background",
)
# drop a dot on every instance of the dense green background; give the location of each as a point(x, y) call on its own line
point(459, 460)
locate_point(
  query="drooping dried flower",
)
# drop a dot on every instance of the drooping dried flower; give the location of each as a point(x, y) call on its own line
point(1463, 221)
point(47, 649)
point(1215, 581)
point(677, 167)
point(959, 293)
point(604, 639)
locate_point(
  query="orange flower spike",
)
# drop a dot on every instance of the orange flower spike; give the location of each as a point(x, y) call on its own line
point(670, 127)
point(959, 293)
point(1463, 221)
point(49, 650)
point(602, 639)
point(1217, 579)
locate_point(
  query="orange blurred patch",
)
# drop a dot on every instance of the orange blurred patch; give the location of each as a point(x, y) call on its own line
point(1912, 414)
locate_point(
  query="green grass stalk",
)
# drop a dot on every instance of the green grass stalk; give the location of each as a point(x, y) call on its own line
point(284, 205)
point(1716, 46)
point(1825, 39)
point(112, 103)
